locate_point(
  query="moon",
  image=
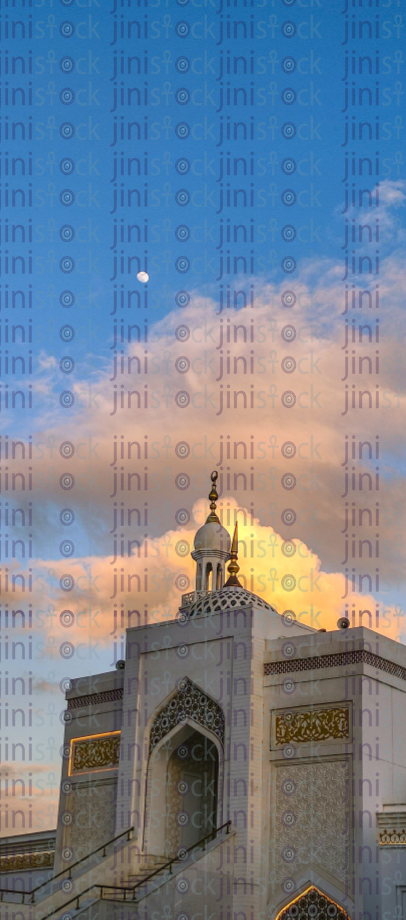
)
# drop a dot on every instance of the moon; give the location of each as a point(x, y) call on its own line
point(143, 277)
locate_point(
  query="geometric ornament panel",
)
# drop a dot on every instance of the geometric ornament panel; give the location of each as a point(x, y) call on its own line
point(189, 702)
point(313, 905)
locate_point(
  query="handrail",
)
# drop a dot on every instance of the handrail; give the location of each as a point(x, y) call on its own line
point(67, 869)
point(212, 835)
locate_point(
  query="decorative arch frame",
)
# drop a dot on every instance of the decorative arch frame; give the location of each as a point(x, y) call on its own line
point(312, 903)
point(188, 702)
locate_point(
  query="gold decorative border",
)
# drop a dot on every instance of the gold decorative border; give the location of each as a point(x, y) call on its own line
point(94, 753)
point(302, 726)
point(19, 861)
point(392, 836)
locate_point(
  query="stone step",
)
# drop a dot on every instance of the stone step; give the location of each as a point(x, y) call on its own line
point(148, 862)
point(145, 869)
point(143, 872)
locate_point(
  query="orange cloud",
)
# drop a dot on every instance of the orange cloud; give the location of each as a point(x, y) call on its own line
point(285, 572)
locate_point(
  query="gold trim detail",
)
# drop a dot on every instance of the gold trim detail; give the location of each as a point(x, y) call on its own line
point(95, 752)
point(21, 861)
point(392, 836)
point(312, 725)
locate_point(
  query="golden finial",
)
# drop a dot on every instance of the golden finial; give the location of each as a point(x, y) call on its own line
point(233, 567)
point(213, 498)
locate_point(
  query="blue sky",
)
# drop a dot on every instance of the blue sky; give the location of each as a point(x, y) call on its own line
point(187, 167)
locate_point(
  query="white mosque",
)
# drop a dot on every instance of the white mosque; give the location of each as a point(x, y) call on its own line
point(236, 766)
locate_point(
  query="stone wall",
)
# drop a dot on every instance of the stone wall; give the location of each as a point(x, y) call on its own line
point(89, 816)
point(311, 821)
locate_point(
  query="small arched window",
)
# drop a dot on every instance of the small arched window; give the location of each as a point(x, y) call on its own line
point(209, 577)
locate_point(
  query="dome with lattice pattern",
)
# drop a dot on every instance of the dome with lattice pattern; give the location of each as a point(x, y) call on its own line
point(226, 599)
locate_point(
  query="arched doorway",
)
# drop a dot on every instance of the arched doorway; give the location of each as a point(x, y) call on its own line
point(191, 791)
point(184, 777)
point(312, 904)
point(182, 791)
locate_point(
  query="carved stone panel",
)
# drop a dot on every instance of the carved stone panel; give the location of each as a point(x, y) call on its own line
point(311, 827)
point(88, 818)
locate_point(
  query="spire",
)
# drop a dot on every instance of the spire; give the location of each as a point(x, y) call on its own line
point(211, 547)
point(233, 568)
point(213, 496)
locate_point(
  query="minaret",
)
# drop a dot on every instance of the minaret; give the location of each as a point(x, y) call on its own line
point(211, 547)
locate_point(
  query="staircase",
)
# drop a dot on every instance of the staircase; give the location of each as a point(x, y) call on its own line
point(105, 876)
point(97, 867)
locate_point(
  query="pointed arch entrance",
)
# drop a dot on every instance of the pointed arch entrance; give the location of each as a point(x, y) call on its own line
point(191, 791)
point(184, 771)
point(312, 904)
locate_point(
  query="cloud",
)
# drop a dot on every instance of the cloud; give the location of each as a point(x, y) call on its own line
point(40, 685)
point(111, 595)
point(155, 445)
point(31, 803)
point(152, 462)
